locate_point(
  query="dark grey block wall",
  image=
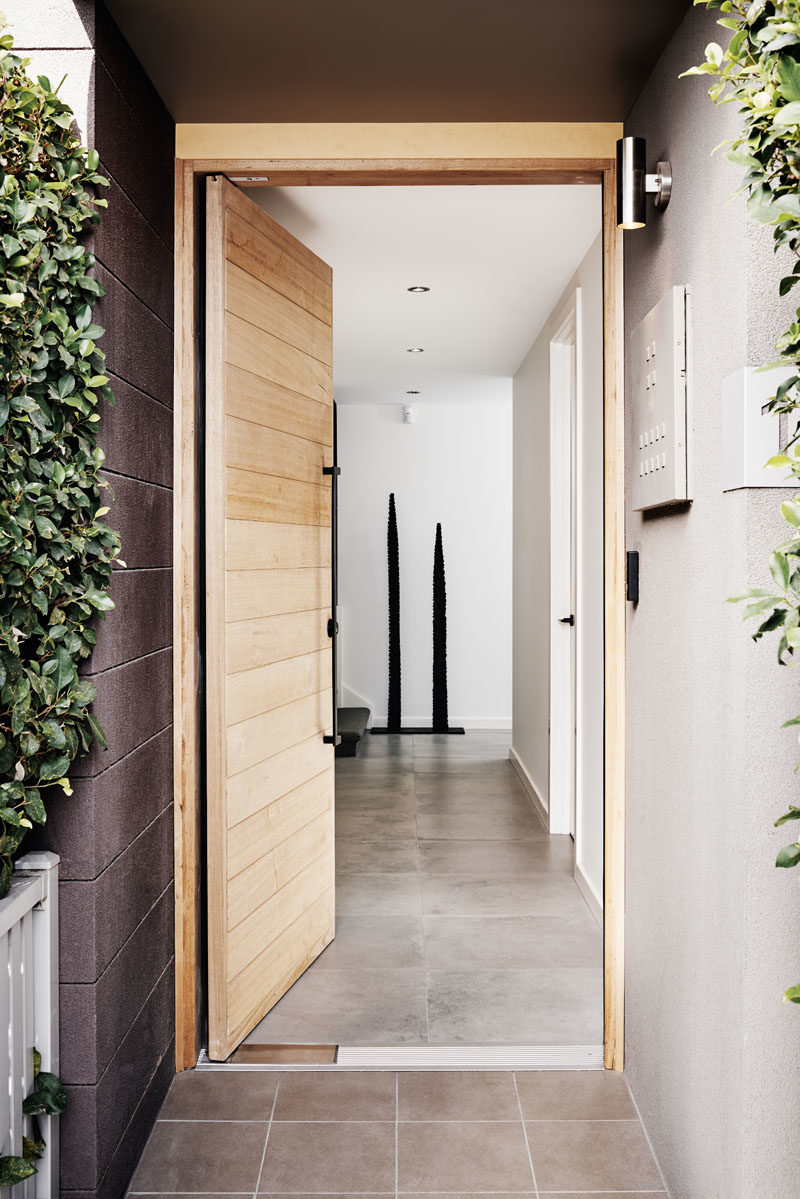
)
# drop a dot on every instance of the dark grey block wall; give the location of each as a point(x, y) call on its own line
point(114, 834)
point(711, 925)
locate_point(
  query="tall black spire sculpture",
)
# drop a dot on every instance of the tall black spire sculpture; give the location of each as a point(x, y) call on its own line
point(440, 716)
point(392, 545)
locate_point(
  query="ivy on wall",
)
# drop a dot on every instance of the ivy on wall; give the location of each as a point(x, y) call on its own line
point(56, 552)
point(760, 71)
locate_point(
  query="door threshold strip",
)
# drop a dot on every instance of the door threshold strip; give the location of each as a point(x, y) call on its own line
point(420, 1057)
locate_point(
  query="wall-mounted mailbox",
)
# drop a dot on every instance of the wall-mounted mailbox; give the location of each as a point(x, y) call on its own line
point(659, 458)
point(750, 434)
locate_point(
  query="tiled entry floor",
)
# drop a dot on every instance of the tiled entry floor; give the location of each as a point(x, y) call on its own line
point(458, 920)
point(542, 1133)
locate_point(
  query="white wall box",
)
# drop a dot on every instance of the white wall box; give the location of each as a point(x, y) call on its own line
point(749, 434)
point(659, 467)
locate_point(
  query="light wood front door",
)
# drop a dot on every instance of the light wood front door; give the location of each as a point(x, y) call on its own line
point(269, 433)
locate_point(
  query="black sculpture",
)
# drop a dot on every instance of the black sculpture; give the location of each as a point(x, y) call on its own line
point(440, 718)
point(393, 718)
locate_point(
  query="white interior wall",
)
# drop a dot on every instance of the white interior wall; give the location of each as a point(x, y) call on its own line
point(531, 556)
point(453, 465)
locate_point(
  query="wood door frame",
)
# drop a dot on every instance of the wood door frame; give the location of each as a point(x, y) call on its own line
point(188, 533)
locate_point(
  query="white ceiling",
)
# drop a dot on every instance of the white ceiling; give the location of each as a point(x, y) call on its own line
point(496, 260)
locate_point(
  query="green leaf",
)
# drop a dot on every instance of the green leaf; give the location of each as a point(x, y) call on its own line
point(788, 857)
point(792, 995)
point(792, 814)
point(791, 512)
point(14, 1170)
point(788, 116)
point(54, 767)
point(48, 1097)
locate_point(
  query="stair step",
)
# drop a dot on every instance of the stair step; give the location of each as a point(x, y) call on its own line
point(352, 726)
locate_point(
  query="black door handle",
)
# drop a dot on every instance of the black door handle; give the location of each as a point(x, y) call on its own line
point(567, 620)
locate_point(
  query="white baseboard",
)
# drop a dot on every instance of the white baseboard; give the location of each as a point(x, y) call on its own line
point(440, 1057)
point(529, 785)
point(474, 723)
point(593, 900)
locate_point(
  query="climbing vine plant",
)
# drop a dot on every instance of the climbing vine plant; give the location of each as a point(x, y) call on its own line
point(56, 553)
point(760, 71)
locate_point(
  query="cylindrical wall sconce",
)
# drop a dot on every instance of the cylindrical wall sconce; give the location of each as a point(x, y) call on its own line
point(408, 414)
point(633, 183)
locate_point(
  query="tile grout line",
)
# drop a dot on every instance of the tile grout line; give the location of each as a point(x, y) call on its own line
point(525, 1134)
point(419, 884)
point(266, 1139)
point(396, 1132)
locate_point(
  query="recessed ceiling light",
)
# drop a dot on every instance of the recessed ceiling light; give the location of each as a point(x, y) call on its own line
point(418, 287)
point(412, 393)
point(415, 350)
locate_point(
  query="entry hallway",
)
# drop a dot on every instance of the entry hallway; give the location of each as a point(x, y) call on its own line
point(458, 919)
point(544, 1133)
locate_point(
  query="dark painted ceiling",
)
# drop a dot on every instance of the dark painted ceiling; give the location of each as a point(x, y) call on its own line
point(415, 60)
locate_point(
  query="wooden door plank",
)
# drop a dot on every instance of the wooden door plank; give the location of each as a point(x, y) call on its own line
point(270, 452)
point(253, 838)
point(251, 692)
point(251, 496)
point(263, 402)
point(248, 940)
point(294, 279)
point(253, 741)
point(308, 936)
point(260, 304)
point(250, 889)
point(255, 545)
point(252, 643)
point(254, 593)
point(253, 791)
point(253, 350)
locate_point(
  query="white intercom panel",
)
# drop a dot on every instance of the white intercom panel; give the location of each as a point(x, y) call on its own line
point(660, 427)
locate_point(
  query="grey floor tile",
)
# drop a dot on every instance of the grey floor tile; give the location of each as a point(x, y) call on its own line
point(502, 858)
point(599, 1194)
point(511, 942)
point(375, 799)
point(350, 1095)
point(473, 743)
point(378, 894)
point(344, 1157)
point(454, 766)
point(469, 1157)
point(544, 895)
point(457, 1095)
point(481, 826)
point(574, 1095)
point(511, 804)
point(374, 826)
point(201, 1156)
point(374, 942)
point(354, 856)
point(463, 786)
point(220, 1095)
point(586, 1155)
point(350, 1007)
point(516, 1007)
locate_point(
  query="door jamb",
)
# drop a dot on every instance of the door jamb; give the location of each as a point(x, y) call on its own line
point(565, 343)
point(187, 610)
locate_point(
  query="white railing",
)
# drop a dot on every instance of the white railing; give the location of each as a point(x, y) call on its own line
point(29, 1010)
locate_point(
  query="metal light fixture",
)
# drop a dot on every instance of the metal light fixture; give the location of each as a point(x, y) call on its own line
point(415, 350)
point(417, 289)
point(633, 183)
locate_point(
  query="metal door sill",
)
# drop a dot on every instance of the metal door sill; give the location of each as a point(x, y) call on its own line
point(435, 1057)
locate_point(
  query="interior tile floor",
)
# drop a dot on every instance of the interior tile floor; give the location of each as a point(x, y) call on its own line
point(458, 919)
point(537, 1133)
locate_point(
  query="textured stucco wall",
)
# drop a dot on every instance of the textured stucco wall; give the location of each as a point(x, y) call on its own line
point(114, 834)
point(710, 924)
